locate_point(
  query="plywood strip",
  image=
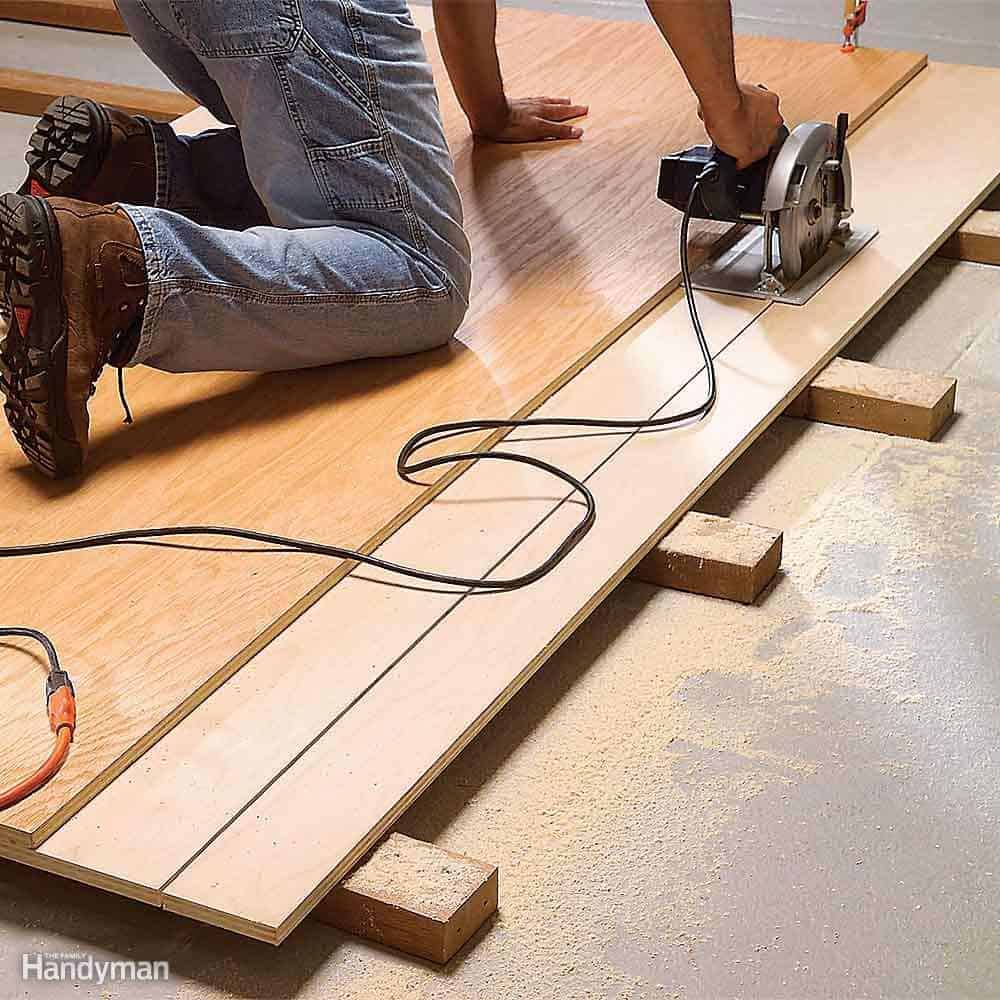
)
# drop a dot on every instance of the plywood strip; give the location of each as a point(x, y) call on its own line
point(976, 240)
point(885, 400)
point(714, 556)
point(256, 875)
point(570, 250)
point(91, 15)
point(25, 92)
point(415, 897)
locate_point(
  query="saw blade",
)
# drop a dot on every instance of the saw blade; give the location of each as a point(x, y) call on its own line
point(805, 230)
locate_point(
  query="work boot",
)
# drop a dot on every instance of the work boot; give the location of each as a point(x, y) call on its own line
point(75, 276)
point(82, 149)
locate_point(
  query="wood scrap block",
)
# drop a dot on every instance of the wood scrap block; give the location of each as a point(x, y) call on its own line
point(977, 239)
point(714, 556)
point(886, 400)
point(24, 92)
point(415, 897)
point(91, 15)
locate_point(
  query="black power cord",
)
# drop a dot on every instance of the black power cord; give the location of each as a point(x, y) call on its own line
point(406, 468)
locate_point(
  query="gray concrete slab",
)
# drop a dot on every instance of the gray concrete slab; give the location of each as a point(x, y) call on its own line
point(88, 55)
point(960, 31)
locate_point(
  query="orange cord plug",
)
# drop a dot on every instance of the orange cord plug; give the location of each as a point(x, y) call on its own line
point(62, 710)
point(62, 718)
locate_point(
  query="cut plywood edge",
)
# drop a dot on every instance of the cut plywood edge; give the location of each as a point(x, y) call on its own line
point(409, 895)
point(89, 15)
point(241, 874)
point(872, 398)
point(415, 897)
point(714, 556)
point(25, 92)
point(976, 240)
point(78, 873)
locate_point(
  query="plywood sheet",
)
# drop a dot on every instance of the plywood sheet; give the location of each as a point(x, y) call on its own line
point(401, 732)
point(93, 15)
point(25, 92)
point(470, 657)
point(570, 248)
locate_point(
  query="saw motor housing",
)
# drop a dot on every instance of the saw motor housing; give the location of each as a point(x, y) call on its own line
point(730, 196)
point(800, 194)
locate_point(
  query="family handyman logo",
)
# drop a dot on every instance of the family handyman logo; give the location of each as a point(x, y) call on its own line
point(40, 967)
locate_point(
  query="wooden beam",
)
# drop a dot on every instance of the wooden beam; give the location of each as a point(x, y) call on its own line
point(90, 15)
point(714, 556)
point(25, 92)
point(976, 240)
point(886, 400)
point(415, 897)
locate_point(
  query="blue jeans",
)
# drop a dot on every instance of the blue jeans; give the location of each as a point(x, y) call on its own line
point(325, 225)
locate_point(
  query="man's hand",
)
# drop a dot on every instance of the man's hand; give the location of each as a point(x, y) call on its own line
point(533, 119)
point(466, 31)
point(747, 131)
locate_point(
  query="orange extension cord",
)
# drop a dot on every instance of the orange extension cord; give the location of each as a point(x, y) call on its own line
point(61, 705)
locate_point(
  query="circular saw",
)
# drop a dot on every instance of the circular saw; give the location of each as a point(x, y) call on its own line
point(799, 195)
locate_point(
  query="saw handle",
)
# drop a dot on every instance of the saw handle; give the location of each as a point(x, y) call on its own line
point(724, 193)
point(843, 123)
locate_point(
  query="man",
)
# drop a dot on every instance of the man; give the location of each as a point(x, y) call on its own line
point(323, 225)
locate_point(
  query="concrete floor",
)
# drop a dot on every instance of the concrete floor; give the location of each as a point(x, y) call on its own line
point(697, 799)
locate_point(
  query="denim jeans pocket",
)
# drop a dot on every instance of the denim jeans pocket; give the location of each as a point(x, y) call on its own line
point(225, 28)
point(358, 176)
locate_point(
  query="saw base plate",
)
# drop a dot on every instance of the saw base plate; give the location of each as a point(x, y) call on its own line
point(735, 267)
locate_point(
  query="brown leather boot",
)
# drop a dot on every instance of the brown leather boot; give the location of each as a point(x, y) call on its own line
point(82, 149)
point(75, 276)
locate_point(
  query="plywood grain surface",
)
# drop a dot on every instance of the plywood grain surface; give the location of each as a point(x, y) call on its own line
point(570, 248)
point(26, 92)
point(93, 15)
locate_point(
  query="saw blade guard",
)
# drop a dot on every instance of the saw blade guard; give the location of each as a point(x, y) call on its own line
point(805, 196)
